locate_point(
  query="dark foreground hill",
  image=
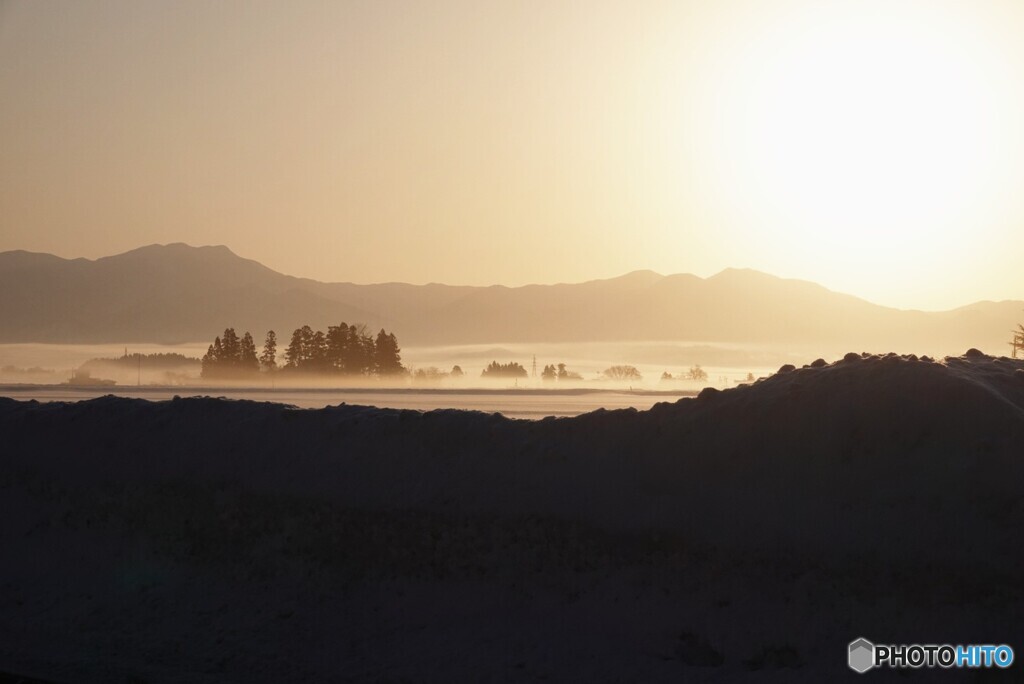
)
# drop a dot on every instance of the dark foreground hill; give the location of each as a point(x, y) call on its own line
point(750, 533)
point(178, 293)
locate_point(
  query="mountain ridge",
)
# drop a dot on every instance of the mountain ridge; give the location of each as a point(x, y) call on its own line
point(183, 247)
point(179, 293)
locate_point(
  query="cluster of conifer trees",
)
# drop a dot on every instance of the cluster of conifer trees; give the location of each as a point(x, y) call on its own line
point(559, 372)
point(230, 355)
point(343, 350)
point(504, 370)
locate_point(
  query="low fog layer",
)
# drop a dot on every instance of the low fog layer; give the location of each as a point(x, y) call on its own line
point(725, 365)
point(756, 531)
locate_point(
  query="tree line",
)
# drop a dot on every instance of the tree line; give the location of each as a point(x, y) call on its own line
point(342, 350)
point(622, 373)
point(559, 372)
point(556, 372)
point(504, 370)
point(695, 373)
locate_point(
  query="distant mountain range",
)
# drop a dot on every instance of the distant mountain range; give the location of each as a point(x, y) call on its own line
point(178, 293)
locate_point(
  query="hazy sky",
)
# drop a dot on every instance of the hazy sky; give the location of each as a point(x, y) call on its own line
point(874, 147)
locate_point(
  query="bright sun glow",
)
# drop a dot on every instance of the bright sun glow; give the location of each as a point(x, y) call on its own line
point(851, 131)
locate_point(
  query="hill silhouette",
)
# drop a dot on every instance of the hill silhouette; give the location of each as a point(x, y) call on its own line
point(178, 293)
point(749, 532)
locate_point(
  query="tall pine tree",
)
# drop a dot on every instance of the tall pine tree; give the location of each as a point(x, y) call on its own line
point(209, 363)
point(231, 349)
point(268, 359)
point(317, 352)
point(338, 348)
point(387, 358)
point(247, 354)
point(295, 354)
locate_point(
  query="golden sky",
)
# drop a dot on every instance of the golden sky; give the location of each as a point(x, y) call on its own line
point(873, 146)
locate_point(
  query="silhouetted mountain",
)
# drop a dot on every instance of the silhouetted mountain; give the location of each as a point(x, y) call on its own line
point(177, 293)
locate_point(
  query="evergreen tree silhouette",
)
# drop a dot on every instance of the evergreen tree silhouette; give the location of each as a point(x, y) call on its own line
point(209, 363)
point(386, 357)
point(344, 349)
point(317, 352)
point(231, 349)
point(507, 370)
point(296, 351)
point(247, 354)
point(339, 349)
point(268, 359)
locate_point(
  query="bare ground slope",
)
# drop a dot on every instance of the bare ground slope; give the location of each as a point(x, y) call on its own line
point(746, 533)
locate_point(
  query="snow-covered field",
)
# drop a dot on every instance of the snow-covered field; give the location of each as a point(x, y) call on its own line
point(747, 533)
point(521, 403)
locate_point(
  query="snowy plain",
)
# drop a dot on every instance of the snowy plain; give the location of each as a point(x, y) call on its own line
point(746, 534)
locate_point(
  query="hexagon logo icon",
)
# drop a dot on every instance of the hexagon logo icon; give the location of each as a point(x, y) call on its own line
point(861, 655)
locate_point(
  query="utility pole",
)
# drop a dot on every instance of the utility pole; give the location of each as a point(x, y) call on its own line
point(534, 366)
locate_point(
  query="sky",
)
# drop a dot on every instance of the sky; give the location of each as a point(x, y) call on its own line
point(874, 147)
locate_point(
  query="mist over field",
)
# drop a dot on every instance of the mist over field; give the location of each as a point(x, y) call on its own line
point(174, 299)
point(460, 341)
point(51, 363)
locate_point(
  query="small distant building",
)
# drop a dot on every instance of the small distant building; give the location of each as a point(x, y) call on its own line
point(83, 378)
